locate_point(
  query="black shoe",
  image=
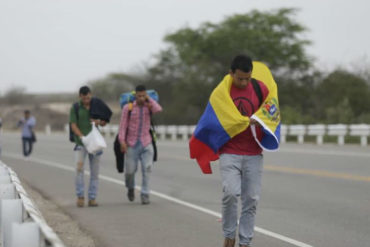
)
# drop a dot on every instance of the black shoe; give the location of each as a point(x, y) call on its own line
point(131, 194)
point(145, 199)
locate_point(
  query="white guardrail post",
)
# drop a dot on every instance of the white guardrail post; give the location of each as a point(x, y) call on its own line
point(361, 130)
point(48, 129)
point(25, 234)
point(113, 130)
point(11, 212)
point(172, 131)
point(339, 130)
point(283, 133)
point(183, 130)
point(317, 130)
point(192, 129)
point(21, 223)
point(161, 132)
point(298, 130)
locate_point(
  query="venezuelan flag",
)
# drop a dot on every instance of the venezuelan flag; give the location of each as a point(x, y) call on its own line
point(221, 120)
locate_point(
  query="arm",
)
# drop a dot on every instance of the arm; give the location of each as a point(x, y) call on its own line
point(73, 122)
point(76, 130)
point(20, 123)
point(123, 125)
point(153, 106)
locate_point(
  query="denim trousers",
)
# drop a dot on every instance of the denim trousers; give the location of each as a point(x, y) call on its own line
point(27, 145)
point(80, 156)
point(133, 156)
point(241, 177)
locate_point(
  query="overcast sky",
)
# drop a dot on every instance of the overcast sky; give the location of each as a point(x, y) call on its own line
point(57, 45)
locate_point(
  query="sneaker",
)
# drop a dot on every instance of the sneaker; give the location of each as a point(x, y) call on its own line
point(131, 195)
point(145, 199)
point(80, 202)
point(93, 203)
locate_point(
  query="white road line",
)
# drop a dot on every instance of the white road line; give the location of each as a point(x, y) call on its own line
point(163, 196)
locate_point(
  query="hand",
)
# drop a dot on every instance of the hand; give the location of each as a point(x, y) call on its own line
point(253, 121)
point(123, 147)
point(96, 121)
point(82, 138)
point(148, 104)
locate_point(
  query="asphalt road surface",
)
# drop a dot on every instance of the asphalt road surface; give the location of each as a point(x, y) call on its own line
point(311, 196)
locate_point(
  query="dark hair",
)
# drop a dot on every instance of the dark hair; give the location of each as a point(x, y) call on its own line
point(140, 88)
point(241, 62)
point(84, 90)
point(27, 112)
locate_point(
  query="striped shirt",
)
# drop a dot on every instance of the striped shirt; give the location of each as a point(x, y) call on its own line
point(137, 126)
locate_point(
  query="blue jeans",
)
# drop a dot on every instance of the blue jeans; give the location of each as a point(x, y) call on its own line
point(27, 145)
point(80, 155)
point(132, 157)
point(241, 176)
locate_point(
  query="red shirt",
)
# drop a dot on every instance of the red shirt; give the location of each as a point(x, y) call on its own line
point(246, 100)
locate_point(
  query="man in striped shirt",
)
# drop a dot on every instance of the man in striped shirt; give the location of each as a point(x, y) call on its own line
point(136, 141)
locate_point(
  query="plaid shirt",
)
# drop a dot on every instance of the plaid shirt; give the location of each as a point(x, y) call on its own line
point(137, 127)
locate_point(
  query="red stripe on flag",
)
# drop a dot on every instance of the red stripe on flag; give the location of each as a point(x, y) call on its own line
point(203, 154)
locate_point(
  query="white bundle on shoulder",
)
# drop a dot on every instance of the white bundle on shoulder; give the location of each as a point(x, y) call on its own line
point(94, 142)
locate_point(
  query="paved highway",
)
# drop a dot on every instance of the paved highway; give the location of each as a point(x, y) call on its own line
point(311, 196)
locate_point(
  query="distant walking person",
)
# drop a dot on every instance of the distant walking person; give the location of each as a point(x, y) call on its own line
point(81, 116)
point(136, 141)
point(28, 136)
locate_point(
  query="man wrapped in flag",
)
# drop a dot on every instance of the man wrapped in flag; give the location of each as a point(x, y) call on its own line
point(241, 120)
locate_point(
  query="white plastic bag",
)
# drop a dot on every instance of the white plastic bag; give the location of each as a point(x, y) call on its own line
point(94, 142)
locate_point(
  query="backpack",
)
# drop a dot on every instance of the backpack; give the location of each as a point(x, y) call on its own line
point(71, 134)
point(130, 97)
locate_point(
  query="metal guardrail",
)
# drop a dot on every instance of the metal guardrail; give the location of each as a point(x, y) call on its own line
point(184, 132)
point(22, 224)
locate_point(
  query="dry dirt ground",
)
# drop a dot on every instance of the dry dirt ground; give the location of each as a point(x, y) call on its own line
point(63, 225)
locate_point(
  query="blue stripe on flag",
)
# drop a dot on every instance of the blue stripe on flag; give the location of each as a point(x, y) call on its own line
point(269, 141)
point(210, 131)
